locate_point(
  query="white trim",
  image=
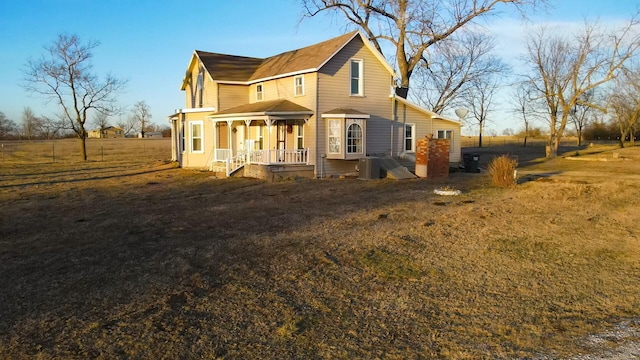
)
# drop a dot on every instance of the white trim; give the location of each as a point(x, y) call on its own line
point(346, 116)
point(413, 138)
point(194, 110)
point(421, 109)
point(295, 85)
point(201, 137)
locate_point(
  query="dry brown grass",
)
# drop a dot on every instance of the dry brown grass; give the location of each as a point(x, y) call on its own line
point(107, 260)
point(503, 170)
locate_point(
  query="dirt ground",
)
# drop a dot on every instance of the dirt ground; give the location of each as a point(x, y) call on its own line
point(144, 260)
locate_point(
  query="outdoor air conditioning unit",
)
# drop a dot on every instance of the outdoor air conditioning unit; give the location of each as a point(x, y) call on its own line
point(369, 168)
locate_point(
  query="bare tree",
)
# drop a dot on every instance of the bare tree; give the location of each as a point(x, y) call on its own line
point(127, 124)
point(50, 128)
point(479, 99)
point(580, 115)
point(525, 107)
point(624, 102)
point(455, 63)
point(65, 75)
point(6, 126)
point(411, 26)
point(30, 124)
point(141, 116)
point(101, 120)
point(563, 70)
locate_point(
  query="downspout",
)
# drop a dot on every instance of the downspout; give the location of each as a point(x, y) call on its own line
point(318, 152)
point(393, 118)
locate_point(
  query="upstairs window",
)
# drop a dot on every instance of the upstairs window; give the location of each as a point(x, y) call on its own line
point(259, 92)
point(356, 77)
point(298, 85)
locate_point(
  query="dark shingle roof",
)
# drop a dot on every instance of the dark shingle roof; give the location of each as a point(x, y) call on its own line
point(266, 108)
point(228, 67)
point(223, 67)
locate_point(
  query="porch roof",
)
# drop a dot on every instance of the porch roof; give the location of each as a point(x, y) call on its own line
point(265, 108)
point(345, 113)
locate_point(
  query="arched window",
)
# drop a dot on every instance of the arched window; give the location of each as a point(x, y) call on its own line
point(354, 139)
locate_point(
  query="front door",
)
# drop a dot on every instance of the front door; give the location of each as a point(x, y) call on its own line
point(239, 133)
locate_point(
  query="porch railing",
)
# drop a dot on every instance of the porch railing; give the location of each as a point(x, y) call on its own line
point(270, 157)
point(261, 157)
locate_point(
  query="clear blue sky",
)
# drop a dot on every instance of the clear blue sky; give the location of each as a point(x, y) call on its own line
point(150, 43)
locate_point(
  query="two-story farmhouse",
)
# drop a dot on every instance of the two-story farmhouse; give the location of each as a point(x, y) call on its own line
point(313, 111)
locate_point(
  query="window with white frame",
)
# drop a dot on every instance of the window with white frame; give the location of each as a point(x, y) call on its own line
point(354, 139)
point(356, 70)
point(298, 85)
point(346, 138)
point(259, 92)
point(195, 136)
point(446, 134)
point(335, 136)
point(409, 137)
point(300, 137)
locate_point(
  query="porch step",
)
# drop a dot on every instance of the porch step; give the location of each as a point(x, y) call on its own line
point(395, 170)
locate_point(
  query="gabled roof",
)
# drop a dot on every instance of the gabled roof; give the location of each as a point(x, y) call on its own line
point(247, 70)
point(430, 113)
point(274, 107)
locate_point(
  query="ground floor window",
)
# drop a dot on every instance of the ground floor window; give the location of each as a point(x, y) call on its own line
point(300, 137)
point(335, 135)
point(354, 139)
point(409, 138)
point(346, 138)
point(196, 139)
point(446, 134)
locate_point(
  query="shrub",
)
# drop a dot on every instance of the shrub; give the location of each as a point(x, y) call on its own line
point(503, 170)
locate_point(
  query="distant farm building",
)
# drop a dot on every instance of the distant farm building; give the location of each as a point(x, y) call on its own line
point(151, 135)
point(108, 132)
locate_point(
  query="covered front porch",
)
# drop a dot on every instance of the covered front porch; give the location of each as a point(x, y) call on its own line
point(266, 133)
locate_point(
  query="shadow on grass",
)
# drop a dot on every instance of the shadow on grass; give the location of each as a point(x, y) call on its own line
point(92, 178)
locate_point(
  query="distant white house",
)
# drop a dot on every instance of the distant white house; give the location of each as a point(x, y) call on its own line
point(151, 135)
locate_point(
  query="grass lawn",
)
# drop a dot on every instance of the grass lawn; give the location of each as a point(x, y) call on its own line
point(139, 259)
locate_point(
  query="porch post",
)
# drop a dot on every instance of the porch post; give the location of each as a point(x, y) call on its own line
point(229, 122)
point(215, 139)
point(246, 137)
point(268, 122)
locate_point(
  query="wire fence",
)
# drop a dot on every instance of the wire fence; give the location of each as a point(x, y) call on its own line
point(494, 141)
point(69, 150)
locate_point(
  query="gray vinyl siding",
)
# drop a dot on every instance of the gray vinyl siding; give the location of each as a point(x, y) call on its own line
point(424, 126)
point(334, 92)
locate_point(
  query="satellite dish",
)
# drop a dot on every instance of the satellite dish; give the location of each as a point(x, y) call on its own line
point(462, 113)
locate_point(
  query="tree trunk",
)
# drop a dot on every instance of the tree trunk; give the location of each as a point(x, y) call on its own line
point(83, 145)
point(480, 135)
point(525, 141)
point(551, 149)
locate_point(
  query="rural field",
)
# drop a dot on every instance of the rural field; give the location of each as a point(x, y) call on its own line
point(131, 257)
